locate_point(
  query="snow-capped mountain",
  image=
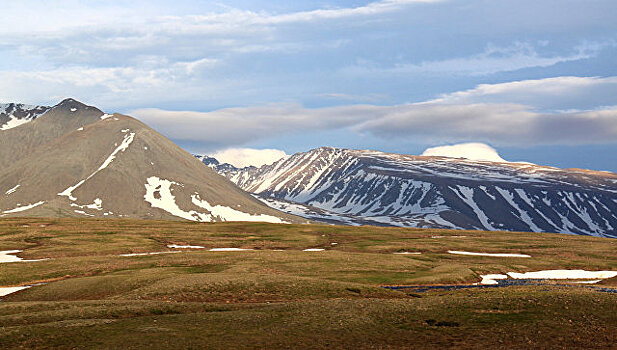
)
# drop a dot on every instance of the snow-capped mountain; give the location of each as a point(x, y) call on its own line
point(360, 186)
point(77, 161)
point(15, 114)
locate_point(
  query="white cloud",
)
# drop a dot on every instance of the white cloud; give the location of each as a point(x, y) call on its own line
point(243, 157)
point(558, 93)
point(369, 9)
point(494, 59)
point(149, 83)
point(471, 150)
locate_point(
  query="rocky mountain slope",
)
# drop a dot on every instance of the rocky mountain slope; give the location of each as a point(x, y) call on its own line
point(75, 160)
point(359, 187)
point(15, 114)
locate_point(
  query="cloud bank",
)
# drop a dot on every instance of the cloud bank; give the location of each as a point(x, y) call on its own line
point(516, 114)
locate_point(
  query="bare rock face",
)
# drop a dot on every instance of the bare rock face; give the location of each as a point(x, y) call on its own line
point(76, 161)
point(360, 187)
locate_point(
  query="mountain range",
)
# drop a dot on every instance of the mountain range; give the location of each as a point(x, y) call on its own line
point(356, 187)
point(73, 160)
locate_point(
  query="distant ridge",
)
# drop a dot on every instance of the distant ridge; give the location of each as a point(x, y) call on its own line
point(15, 114)
point(370, 187)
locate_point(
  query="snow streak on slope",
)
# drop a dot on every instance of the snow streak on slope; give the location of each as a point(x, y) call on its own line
point(23, 208)
point(128, 139)
point(12, 190)
point(467, 196)
point(417, 191)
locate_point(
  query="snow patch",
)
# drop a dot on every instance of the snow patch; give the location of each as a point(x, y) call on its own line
point(229, 249)
point(177, 246)
point(587, 282)
point(491, 279)
point(166, 200)
point(564, 274)
point(229, 214)
point(8, 256)
point(10, 290)
point(96, 205)
point(151, 253)
point(502, 255)
point(105, 116)
point(313, 250)
point(589, 277)
point(24, 208)
point(13, 123)
point(12, 190)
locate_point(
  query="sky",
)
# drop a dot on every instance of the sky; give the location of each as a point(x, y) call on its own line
point(535, 80)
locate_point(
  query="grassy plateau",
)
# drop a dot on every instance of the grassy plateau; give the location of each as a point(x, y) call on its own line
point(86, 295)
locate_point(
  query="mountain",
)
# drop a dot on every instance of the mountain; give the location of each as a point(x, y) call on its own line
point(15, 114)
point(360, 186)
point(75, 160)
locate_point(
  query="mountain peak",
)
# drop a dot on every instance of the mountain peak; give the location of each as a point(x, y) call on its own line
point(72, 105)
point(69, 100)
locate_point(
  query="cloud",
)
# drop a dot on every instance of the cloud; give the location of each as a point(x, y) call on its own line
point(243, 157)
point(149, 83)
point(457, 117)
point(494, 59)
point(132, 54)
point(238, 126)
point(558, 93)
point(502, 124)
point(472, 150)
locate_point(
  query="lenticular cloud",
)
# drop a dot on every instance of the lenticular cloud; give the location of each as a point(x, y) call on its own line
point(472, 150)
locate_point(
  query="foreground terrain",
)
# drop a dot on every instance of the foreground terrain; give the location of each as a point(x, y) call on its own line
point(89, 293)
